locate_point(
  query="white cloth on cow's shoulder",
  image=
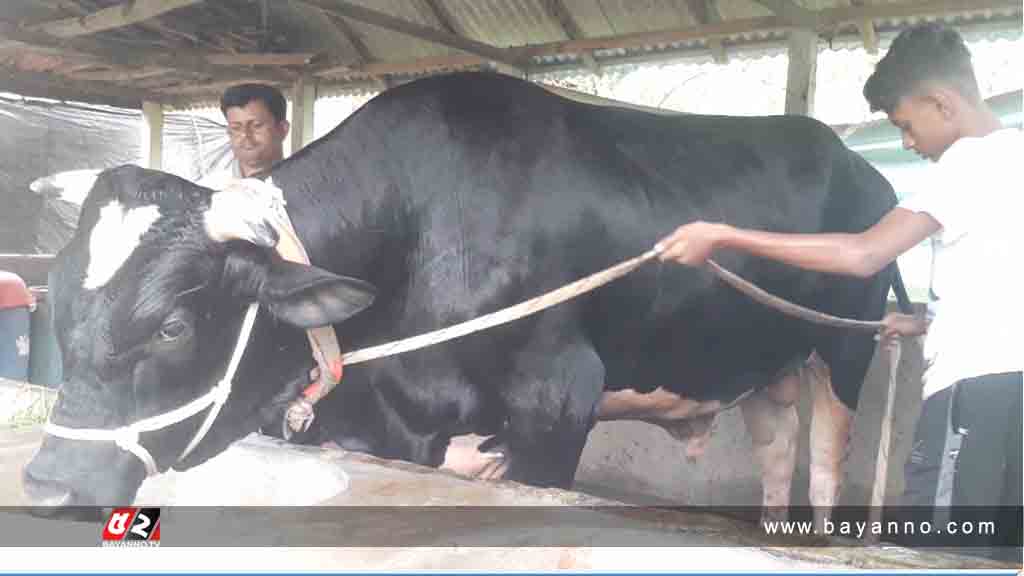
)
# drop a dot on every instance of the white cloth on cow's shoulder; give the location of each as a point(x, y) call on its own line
point(974, 193)
point(218, 179)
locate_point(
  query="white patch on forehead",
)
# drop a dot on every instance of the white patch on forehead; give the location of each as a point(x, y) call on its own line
point(242, 210)
point(114, 238)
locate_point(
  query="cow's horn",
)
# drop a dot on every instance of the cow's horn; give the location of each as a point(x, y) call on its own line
point(243, 210)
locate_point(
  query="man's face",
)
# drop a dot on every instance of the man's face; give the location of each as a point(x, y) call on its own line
point(256, 136)
point(926, 125)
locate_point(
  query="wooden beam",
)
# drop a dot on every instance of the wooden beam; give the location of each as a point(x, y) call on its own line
point(792, 12)
point(253, 59)
point(640, 39)
point(419, 65)
point(867, 30)
point(558, 11)
point(362, 52)
point(388, 22)
point(41, 85)
point(445, 19)
point(706, 12)
point(208, 87)
point(118, 75)
point(853, 14)
point(113, 17)
point(303, 103)
point(803, 67)
point(185, 60)
point(152, 135)
point(351, 37)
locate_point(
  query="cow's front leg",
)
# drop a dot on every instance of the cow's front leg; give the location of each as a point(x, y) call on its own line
point(830, 437)
point(771, 419)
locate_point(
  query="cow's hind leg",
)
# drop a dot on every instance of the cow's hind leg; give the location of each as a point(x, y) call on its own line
point(771, 419)
point(829, 440)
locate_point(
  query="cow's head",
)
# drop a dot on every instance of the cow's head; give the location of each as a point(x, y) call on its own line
point(148, 302)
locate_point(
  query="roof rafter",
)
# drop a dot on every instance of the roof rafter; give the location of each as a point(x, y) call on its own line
point(792, 13)
point(193, 61)
point(35, 84)
point(706, 12)
point(868, 33)
point(108, 18)
point(426, 33)
point(445, 19)
point(558, 11)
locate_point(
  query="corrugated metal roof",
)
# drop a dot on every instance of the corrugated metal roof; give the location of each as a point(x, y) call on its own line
point(347, 50)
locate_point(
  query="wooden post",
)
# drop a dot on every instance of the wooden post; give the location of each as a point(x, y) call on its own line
point(303, 101)
point(152, 134)
point(803, 66)
point(892, 351)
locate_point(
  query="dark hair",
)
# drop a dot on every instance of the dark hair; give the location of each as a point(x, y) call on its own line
point(923, 53)
point(241, 94)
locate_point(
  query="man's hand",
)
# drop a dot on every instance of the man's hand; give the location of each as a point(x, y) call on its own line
point(692, 244)
point(898, 325)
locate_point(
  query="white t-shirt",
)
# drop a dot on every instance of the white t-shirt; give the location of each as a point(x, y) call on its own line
point(974, 192)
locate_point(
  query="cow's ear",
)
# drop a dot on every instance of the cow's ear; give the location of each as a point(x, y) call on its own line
point(309, 297)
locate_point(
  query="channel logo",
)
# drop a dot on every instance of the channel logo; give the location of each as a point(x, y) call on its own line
point(132, 528)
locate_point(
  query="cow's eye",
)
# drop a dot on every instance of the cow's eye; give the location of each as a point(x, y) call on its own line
point(171, 330)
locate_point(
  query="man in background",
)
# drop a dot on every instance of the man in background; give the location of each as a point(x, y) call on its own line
point(257, 127)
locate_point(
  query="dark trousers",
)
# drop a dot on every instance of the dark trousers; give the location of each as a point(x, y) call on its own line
point(967, 453)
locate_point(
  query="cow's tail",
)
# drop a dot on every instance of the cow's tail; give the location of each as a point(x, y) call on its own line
point(898, 288)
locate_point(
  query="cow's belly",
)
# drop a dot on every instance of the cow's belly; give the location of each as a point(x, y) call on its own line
point(685, 419)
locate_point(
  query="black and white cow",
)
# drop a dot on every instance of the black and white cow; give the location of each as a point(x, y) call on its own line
point(455, 196)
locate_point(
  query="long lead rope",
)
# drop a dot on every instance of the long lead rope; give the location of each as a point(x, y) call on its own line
point(582, 286)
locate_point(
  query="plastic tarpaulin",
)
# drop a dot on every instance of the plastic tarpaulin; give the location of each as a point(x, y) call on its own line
point(50, 153)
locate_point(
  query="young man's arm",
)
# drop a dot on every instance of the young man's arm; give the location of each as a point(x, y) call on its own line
point(860, 254)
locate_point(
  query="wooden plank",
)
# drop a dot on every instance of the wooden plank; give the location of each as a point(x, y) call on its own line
point(252, 59)
point(116, 16)
point(868, 33)
point(186, 60)
point(118, 75)
point(803, 66)
point(303, 102)
point(706, 12)
point(418, 65)
point(854, 14)
point(152, 134)
point(881, 481)
point(640, 39)
point(61, 88)
point(558, 11)
point(792, 12)
point(209, 87)
point(445, 18)
point(419, 31)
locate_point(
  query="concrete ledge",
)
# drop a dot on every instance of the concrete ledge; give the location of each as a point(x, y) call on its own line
point(377, 502)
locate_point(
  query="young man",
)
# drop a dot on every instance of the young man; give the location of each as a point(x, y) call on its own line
point(257, 126)
point(968, 207)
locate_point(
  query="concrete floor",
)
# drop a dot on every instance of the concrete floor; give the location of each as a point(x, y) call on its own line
point(541, 529)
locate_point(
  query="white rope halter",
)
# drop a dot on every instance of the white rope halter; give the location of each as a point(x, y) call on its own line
point(127, 437)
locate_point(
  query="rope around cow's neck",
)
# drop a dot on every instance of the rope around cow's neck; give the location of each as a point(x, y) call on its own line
point(582, 286)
